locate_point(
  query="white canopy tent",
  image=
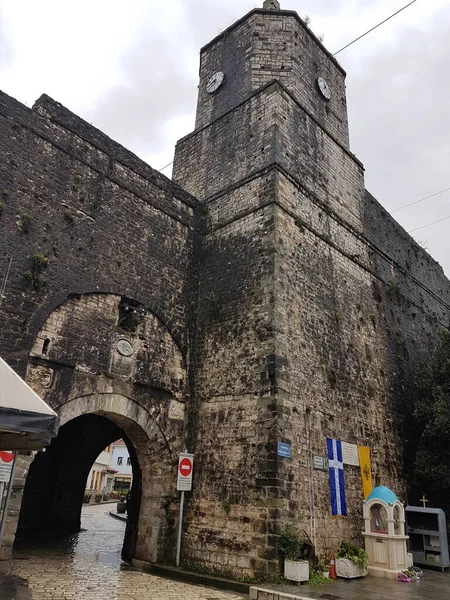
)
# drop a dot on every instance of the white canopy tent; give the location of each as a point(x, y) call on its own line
point(26, 421)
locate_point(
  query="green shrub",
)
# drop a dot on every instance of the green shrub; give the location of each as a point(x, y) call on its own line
point(316, 577)
point(226, 505)
point(24, 223)
point(290, 545)
point(35, 276)
point(353, 552)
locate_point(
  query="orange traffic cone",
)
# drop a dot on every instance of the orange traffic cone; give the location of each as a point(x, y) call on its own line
point(332, 569)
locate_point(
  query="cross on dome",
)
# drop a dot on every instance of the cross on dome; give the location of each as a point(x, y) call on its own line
point(271, 5)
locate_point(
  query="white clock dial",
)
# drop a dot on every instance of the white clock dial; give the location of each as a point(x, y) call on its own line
point(324, 88)
point(215, 82)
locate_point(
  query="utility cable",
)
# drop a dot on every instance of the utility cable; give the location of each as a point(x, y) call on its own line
point(344, 48)
point(5, 281)
point(430, 224)
point(160, 170)
point(373, 28)
point(418, 201)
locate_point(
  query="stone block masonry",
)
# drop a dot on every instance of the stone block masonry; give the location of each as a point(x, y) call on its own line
point(263, 296)
point(99, 305)
point(56, 171)
point(340, 303)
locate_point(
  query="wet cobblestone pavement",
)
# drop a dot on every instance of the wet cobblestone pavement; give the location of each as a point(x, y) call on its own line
point(87, 566)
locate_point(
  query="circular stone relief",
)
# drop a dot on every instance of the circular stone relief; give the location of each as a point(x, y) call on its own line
point(124, 348)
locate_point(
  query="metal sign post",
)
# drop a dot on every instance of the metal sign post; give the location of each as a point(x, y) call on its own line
point(184, 484)
point(8, 498)
point(180, 529)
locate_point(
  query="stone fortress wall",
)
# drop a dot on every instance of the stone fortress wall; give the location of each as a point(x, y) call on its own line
point(346, 302)
point(278, 301)
point(98, 304)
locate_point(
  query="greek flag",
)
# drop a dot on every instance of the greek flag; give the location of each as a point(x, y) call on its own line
point(337, 486)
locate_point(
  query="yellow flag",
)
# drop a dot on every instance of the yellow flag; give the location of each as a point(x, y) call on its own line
point(366, 471)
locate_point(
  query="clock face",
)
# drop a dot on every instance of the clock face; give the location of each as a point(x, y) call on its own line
point(324, 88)
point(215, 82)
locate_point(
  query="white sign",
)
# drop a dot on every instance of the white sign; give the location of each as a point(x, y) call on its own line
point(185, 470)
point(350, 454)
point(320, 463)
point(6, 462)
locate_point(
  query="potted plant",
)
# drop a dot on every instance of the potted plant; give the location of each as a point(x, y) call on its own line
point(122, 505)
point(351, 561)
point(294, 550)
point(98, 498)
point(87, 498)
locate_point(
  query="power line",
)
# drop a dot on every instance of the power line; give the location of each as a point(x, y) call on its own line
point(159, 170)
point(430, 224)
point(420, 200)
point(5, 280)
point(373, 28)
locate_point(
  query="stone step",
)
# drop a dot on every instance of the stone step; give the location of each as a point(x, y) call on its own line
point(259, 593)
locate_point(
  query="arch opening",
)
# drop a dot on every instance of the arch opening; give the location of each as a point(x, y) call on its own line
point(56, 482)
point(121, 379)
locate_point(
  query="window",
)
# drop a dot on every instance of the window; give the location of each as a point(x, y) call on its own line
point(128, 461)
point(130, 315)
point(122, 485)
point(119, 460)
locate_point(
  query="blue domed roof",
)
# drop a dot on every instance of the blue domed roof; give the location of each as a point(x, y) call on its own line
point(383, 493)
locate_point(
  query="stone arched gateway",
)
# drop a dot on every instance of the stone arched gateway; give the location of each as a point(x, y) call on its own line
point(111, 369)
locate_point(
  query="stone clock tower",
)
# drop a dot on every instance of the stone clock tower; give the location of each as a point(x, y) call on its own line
point(278, 352)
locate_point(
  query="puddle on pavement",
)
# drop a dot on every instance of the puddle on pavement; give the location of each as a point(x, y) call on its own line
point(13, 588)
point(99, 541)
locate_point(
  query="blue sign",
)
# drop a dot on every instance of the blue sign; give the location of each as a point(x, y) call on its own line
point(284, 450)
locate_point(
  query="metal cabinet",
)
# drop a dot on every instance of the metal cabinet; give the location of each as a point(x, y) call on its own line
point(427, 530)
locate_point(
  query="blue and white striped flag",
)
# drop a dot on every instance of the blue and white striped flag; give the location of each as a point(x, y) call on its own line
point(337, 486)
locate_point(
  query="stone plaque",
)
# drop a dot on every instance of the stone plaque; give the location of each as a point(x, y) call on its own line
point(124, 347)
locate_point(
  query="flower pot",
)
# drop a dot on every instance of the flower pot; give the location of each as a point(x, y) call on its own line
point(296, 570)
point(86, 499)
point(121, 507)
point(347, 569)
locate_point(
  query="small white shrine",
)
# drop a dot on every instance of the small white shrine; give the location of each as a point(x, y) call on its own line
point(384, 534)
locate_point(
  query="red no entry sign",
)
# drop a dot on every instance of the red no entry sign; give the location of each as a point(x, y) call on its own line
point(6, 457)
point(185, 468)
point(6, 463)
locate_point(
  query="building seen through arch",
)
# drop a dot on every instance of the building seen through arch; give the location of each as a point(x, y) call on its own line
point(111, 475)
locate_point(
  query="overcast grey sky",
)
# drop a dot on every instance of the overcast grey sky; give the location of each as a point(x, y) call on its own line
point(131, 69)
